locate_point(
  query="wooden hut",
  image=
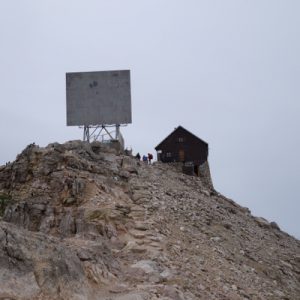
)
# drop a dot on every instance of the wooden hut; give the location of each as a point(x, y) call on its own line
point(183, 146)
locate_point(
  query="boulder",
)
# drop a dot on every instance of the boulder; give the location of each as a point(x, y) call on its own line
point(129, 164)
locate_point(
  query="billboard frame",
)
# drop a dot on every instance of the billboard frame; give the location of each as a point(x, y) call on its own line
point(97, 100)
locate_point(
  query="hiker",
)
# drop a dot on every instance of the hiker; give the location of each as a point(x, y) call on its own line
point(145, 159)
point(150, 157)
point(138, 156)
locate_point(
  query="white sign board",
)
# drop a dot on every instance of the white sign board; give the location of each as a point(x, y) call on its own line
point(98, 98)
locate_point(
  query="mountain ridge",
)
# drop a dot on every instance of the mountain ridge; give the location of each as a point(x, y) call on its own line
point(82, 221)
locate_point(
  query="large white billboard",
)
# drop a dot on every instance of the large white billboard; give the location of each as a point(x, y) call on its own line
point(98, 98)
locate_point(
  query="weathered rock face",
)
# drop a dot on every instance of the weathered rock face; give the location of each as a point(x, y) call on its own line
point(81, 222)
point(31, 262)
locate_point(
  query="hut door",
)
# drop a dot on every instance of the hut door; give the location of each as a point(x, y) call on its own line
point(196, 170)
point(181, 155)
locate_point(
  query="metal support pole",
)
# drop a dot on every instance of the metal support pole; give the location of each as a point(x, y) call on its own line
point(91, 132)
point(86, 133)
point(107, 132)
point(117, 131)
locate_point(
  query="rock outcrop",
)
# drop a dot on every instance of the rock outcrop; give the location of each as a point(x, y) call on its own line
point(79, 221)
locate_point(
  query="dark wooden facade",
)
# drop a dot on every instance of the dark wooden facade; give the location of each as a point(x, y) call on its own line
point(182, 146)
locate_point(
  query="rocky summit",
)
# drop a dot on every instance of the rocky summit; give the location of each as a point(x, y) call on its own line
point(81, 221)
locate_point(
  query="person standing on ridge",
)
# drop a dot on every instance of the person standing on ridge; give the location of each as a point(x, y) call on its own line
point(145, 159)
point(150, 157)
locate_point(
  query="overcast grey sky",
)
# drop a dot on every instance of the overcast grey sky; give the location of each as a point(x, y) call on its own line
point(228, 71)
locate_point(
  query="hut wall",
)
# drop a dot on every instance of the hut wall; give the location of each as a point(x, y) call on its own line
point(183, 146)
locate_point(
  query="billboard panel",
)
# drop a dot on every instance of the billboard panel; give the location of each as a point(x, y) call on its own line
point(95, 98)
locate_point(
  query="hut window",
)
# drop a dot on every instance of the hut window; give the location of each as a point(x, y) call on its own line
point(169, 154)
point(180, 140)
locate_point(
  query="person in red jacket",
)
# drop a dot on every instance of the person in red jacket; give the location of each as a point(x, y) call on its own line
point(150, 157)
